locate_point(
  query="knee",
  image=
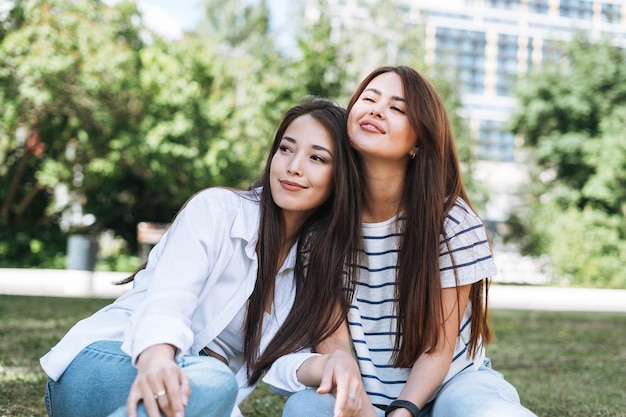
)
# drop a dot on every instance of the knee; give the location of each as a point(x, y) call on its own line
point(292, 406)
point(218, 387)
point(309, 403)
point(465, 404)
point(212, 387)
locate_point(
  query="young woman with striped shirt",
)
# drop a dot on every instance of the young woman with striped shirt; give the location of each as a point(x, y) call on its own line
point(417, 316)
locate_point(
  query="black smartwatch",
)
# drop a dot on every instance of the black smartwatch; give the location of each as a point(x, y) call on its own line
point(413, 409)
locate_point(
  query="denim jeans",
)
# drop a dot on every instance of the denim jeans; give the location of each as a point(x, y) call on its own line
point(482, 393)
point(98, 381)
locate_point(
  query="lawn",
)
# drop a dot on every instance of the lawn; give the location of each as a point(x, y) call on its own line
point(564, 364)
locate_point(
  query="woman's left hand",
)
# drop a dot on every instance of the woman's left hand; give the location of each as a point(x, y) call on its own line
point(342, 376)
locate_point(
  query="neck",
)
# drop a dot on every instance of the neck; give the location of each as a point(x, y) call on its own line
point(293, 223)
point(382, 192)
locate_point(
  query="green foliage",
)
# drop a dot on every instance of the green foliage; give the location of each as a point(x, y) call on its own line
point(586, 246)
point(572, 115)
point(99, 116)
point(67, 83)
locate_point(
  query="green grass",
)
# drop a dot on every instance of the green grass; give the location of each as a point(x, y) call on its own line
point(563, 364)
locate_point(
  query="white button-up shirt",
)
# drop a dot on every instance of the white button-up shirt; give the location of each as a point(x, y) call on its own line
point(198, 277)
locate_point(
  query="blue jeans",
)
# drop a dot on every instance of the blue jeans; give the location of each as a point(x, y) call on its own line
point(482, 393)
point(98, 381)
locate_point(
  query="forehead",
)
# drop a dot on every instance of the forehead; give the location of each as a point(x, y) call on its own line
point(388, 83)
point(307, 130)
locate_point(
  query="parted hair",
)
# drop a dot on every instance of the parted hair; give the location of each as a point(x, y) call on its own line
point(325, 250)
point(432, 185)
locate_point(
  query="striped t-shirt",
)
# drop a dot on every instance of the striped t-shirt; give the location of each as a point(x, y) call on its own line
point(372, 317)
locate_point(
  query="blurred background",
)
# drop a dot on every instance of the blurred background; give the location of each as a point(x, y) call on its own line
point(113, 113)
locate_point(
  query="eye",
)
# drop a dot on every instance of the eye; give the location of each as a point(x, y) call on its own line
point(398, 109)
point(318, 158)
point(284, 148)
point(368, 99)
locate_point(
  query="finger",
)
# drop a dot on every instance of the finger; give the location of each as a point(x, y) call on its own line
point(173, 404)
point(163, 400)
point(341, 400)
point(354, 403)
point(185, 390)
point(131, 402)
point(150, 397)
point(351, 400)
point(327, 382)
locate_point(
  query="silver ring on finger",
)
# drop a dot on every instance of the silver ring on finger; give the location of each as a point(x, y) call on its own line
point(159, 394)
point(352, 396)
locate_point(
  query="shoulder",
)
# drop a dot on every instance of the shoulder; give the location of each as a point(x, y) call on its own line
point(465, 248)
point(224, 198)
point(223, 207)
point(461, 218)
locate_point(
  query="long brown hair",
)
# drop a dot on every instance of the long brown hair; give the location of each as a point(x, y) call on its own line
point(325, 250)
point(325, 245)
point(432, 185)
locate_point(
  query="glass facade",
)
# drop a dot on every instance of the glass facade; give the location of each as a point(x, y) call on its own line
point(486, 45)
point(495, 143)
point(462, 55)
point(576, 9)
point(507, 64)
point(611, 13)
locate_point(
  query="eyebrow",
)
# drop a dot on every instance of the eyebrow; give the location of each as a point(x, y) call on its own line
point(316, 147)
point(378, 92)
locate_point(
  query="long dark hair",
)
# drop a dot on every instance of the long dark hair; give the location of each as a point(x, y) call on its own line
point(324, 247)
point(432, 185)
point(324, 253)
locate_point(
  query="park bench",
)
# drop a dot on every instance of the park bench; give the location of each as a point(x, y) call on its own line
point(148, 235)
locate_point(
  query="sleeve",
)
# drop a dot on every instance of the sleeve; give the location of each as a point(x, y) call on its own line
point(466, 250)
point(179, 273)
point(282, 378)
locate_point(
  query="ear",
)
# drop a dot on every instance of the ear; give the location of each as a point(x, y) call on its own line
point(413, 151)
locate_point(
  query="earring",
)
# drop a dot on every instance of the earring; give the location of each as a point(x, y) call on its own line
point(412, 156)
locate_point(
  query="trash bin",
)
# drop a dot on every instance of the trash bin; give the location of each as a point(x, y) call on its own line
point(82, 251)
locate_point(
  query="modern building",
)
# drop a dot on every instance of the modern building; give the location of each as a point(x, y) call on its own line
point(487, 45)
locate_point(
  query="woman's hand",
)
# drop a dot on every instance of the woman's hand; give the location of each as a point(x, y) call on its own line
point(341, 375)
point(160, 383)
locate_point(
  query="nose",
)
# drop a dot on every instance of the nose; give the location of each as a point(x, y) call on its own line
point(376, 111)
point(294, 167)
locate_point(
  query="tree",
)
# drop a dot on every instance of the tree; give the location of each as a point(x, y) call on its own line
point(571, 116)
point(66, 87)
point(113, 127)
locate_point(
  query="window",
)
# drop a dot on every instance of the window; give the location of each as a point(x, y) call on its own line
point(538, 6)
point(494, 142)
point(611, 13)
point(576, 9)
point(462, 53)
point(507, 64)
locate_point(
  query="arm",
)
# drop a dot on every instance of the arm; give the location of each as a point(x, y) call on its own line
point(179, 270)
point(333, 368)
point(160, 329)
point(430, 369)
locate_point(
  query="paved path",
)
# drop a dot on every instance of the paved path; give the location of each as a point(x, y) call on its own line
point(69, 283)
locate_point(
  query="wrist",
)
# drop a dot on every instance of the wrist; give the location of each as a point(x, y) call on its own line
point(159, 352)
point(410, 407)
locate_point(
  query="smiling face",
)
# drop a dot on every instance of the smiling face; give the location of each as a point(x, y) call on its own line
point(378, 124)
point(301, 171)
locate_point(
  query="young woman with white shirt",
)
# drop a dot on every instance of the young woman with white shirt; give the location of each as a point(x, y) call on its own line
point(418, 318)
point(212, 308)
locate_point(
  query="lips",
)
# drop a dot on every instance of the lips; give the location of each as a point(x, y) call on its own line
point(291, 186)
point(371, 126)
